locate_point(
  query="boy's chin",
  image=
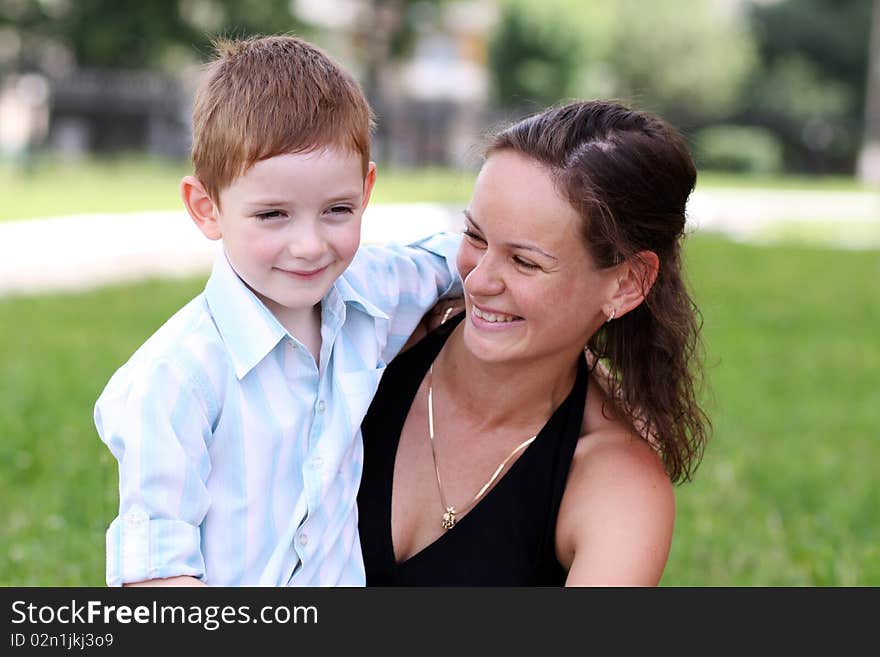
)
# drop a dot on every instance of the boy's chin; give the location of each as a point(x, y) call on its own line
point(298, 303)
point(289, 305)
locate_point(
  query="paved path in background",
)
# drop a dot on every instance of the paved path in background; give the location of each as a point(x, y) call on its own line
point(87, 251)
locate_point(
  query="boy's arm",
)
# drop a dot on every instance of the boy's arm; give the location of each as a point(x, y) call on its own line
point(155, 420)
point(405, 281)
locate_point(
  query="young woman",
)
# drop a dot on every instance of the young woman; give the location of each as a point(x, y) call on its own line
point(495, 452)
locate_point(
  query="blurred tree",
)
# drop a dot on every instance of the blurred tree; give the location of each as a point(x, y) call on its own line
point(810, 88)
point(869, 160)
point(690, 70)
point(531, 64)
point(794, 68)
point(134, 34)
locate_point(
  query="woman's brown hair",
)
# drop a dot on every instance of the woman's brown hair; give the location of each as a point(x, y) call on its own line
point(629, 174)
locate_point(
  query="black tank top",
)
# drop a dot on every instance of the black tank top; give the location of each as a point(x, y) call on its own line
point(508, 538)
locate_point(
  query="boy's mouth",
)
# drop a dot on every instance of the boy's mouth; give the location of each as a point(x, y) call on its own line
point(303, 274)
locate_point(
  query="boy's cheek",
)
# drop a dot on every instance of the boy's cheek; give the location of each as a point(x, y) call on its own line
point(255, 253)
point(349, 242)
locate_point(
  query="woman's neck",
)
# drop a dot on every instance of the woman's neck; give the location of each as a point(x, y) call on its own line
point(499, 394)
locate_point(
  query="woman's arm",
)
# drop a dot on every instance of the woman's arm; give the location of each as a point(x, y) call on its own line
point(616, 519)
point(183, 580)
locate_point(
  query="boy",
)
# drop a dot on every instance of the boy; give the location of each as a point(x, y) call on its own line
point(237, 424)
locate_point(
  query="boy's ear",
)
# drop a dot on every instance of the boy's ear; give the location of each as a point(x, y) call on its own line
point(369, 181)
point(200, 207)
point(635, 278)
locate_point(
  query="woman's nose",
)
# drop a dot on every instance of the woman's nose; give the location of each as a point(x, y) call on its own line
point(485, 278)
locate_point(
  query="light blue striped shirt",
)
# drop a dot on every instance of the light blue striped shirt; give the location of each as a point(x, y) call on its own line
point(239, 459)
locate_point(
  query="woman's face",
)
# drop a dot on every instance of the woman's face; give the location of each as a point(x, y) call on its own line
point(531, 288)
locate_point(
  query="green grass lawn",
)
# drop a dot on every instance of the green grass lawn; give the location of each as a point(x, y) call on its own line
point(719, 180)
point(52, 188)
point(787, 493)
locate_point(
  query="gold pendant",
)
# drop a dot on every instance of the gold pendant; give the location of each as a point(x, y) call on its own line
point(449, 518)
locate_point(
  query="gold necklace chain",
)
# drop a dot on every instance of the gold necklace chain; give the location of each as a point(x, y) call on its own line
point(450, 512)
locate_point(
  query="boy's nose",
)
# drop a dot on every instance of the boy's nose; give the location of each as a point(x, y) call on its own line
point(306, 243)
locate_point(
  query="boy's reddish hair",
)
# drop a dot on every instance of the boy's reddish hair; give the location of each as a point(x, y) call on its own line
point(267, 96)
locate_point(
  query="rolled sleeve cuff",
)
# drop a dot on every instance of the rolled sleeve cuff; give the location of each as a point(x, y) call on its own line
point(140, 548)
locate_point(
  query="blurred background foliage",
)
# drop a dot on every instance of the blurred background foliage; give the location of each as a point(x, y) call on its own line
point(159, 34)
point(785, 79)
point(788, 77)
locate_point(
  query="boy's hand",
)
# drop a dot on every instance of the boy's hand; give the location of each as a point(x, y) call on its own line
point(443, 310)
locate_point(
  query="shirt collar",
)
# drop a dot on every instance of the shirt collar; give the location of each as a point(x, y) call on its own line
point(249, 329)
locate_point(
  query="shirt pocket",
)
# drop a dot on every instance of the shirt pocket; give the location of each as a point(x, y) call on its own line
point(357, 390)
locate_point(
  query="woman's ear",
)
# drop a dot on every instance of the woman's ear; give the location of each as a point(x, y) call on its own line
point(200, 206)
point(635, 278)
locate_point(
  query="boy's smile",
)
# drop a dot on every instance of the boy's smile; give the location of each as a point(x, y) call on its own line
point(291, 224)
point(305, 275)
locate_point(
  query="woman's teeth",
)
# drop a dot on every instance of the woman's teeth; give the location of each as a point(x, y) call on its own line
point(492, 317)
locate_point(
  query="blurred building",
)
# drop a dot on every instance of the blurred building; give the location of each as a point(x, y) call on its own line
point(85, 111)
point(24, 113)
point(431, 104)
point(431, 100)
point(105, 111)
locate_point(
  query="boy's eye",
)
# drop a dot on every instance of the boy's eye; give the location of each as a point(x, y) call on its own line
point(341, 209)
point(271, 214)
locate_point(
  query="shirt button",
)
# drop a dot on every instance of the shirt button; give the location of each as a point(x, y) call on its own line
point(321, 406)
point(136, 518)
point(317, 462)
point(303, 539)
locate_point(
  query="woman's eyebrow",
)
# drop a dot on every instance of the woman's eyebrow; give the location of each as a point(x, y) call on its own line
point(532, 247)
point(515, 245)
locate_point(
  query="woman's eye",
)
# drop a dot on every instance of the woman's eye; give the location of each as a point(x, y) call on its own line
point(474, 237)
point(525, 264)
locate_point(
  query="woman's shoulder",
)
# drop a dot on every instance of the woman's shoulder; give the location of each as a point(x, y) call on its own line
point(614, 460)
point(618, 501)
